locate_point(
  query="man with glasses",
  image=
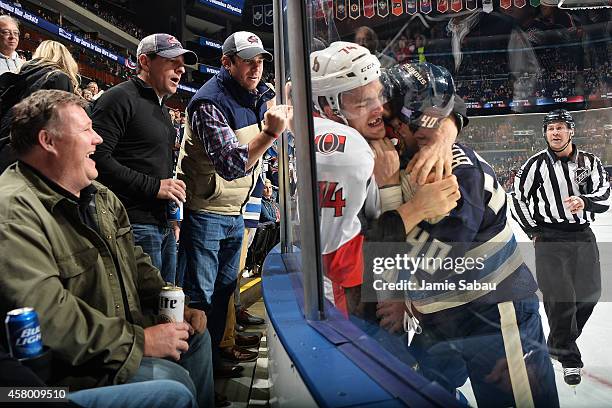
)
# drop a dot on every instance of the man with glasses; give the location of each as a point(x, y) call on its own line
point(220, 162)
point(9, 40)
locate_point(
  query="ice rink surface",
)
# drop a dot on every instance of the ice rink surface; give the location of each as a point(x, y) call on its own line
point(595, 343)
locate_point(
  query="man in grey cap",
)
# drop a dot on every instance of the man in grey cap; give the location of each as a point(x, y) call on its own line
point(220, 162)
point(135, 160)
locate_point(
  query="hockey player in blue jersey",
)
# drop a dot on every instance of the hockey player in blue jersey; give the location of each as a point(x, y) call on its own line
point(471, 295)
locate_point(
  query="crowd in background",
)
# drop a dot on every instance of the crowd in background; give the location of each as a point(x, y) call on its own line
point(114, 14)
point(572, 61)
point(563, 73)
point(507, 142)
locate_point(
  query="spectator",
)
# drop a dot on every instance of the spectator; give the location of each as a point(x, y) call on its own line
point(366, 37)
point(51, 68)
point(267, 235)
point(135, 159)
point(225, 138)
point(93, 88)
point(66, 249)
point(418, 49)
point(9, 40)
point(269, 208)
point(87, 95)
point(403, 50)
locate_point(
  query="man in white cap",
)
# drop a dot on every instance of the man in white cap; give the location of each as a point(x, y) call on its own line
point(220, 162)
point(135, 160)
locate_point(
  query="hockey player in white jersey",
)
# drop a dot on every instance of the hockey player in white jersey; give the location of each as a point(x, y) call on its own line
point(347, 97)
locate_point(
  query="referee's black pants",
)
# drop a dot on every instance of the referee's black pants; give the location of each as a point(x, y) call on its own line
point(569, 276)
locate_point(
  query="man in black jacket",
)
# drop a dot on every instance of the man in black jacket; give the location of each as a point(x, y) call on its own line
point(135, 159)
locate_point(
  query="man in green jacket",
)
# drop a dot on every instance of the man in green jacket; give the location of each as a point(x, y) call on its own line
point(67, 250)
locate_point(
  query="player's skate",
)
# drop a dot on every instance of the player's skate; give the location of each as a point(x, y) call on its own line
point(572, 375)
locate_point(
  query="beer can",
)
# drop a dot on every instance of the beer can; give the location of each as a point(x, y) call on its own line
point(172, 304)
point(174, 211)
point(23, 333)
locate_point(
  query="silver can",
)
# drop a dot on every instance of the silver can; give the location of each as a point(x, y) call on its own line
point(172, 304)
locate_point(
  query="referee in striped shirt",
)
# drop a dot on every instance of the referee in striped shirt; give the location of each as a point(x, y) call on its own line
point(556, 195)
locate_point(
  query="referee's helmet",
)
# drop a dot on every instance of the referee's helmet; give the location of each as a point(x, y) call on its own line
point(558, 115)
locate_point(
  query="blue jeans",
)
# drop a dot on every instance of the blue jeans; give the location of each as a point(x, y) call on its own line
point(154, 394)
point(210, 250)
point(467, 341)
point(160, 244)
point(194, 370)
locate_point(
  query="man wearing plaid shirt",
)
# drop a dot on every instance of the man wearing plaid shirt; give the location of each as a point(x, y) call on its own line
point(229, 128)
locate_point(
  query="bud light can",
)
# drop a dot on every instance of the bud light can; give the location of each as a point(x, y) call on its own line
point(172, 304)
point(175, 212)
point(23, 333)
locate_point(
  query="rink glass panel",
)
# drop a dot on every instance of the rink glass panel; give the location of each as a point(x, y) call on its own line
point(511, 66)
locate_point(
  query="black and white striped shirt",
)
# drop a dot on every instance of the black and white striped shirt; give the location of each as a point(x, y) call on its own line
point(545, 180)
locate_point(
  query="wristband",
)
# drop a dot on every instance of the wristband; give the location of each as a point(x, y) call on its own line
point(272, 135)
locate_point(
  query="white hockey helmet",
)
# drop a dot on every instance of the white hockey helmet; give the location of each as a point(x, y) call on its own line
point(341, 67)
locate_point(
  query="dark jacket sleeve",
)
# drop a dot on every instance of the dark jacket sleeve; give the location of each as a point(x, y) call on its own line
point(147, 278)
point(58, 80)
point(389, 227)
point(110, 115)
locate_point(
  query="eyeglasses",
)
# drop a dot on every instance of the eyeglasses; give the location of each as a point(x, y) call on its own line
point(6, 33)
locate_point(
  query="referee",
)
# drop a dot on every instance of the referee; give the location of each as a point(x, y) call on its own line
point(556, 195)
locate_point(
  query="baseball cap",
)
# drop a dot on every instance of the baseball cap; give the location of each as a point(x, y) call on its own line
point(246, 45)
point(167, 46)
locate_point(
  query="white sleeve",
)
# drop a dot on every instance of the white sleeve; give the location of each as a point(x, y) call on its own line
point(372, 204)
point(390, 197)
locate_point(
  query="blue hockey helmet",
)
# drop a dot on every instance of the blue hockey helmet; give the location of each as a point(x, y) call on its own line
point(419, 94)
